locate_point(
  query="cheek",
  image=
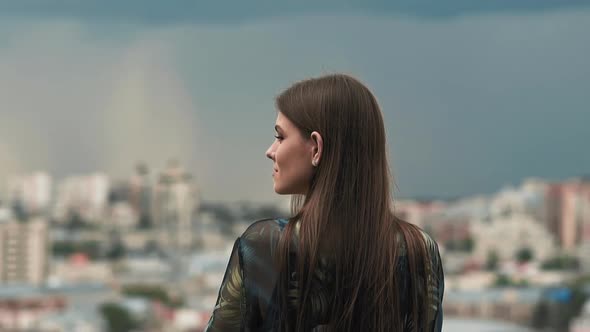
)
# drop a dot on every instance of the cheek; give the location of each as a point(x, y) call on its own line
point(284, 163)
point(293, 166)
point(288, 163)
point(289, 158)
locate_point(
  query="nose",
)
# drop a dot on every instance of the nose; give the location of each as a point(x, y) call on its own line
point(270, 153)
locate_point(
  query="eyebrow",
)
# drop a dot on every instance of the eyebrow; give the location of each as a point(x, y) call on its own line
point(278, 128)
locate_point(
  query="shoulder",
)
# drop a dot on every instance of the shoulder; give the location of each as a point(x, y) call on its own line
point(419, 234)
point(433, 253)
point(264, 232)
point(264, 228)
point(257, 244)
point(431, 245)
point(432, 257)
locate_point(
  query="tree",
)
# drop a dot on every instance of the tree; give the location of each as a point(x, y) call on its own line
point(145, 221)
point(524, 255)
point(492, 260)
point(463, 245)
point(118, 318)
point(468, 244)
point(502, 281)
point(564, 262)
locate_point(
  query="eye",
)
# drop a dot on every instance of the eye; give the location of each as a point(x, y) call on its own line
point(279, 137)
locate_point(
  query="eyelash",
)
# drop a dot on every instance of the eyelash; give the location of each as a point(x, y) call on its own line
point(278, 137)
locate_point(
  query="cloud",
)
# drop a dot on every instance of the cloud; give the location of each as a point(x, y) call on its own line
point(224, 11)
point(470, 103)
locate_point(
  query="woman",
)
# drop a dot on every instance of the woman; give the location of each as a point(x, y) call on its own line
point(343, 262)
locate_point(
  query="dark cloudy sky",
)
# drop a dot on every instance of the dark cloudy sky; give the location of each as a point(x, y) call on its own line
point(476, 94)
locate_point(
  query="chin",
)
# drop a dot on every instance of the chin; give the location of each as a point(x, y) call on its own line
point(287, 191)
point(280, 191)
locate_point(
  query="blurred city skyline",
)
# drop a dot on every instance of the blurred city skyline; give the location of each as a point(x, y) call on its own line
point(475, 96)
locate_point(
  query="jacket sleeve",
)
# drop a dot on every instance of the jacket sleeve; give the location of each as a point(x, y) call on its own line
point(438, 318)
point(439, 313)
point(228, 312)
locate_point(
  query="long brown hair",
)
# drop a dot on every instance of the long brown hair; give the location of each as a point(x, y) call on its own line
point(347, 215)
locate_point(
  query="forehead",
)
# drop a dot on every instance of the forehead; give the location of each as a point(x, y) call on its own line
point(283, 122)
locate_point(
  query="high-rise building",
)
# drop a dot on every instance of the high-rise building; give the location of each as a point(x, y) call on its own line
point(175, 201)
point(32, 192)
point(568, 213)
point(140, 196)
point(24, 252)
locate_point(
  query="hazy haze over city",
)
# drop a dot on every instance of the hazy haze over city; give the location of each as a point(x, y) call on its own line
point(475, 96)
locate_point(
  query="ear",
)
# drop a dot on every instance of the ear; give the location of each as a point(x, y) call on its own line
point(317, 148)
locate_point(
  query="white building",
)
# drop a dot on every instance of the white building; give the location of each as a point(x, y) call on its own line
point(509, 200)
point(536, 190)
point(85, 195)
point(24, 248)
point(33, 191)
point(507, 234)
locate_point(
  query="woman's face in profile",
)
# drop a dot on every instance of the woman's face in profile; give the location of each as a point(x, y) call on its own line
point(291, 154)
